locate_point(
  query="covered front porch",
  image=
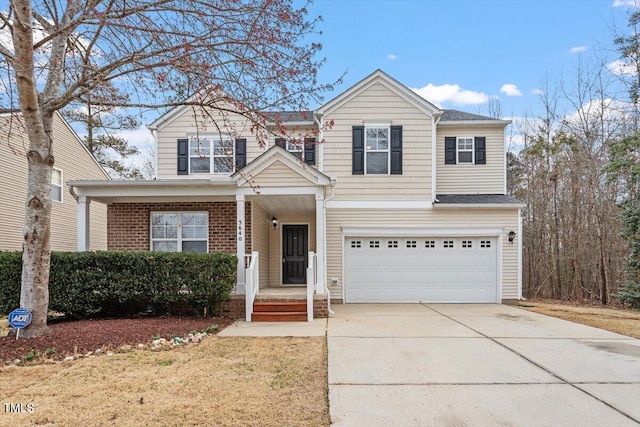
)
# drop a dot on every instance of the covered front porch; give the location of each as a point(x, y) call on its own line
point(271, 214)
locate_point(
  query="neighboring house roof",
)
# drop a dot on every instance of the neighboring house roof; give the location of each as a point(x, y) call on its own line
point(392, 84)
point(481, 200)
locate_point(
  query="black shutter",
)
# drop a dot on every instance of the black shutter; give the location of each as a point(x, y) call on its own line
point(310, 151)
point(449, 150)
point(241, 153)
point(183, 157)
point(281, 142)
point(357, 165)
point(396, 150)
point(480, 143)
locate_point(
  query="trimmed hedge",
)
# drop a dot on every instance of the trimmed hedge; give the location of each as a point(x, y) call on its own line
point(112, 283)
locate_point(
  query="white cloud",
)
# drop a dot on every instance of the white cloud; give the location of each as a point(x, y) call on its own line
point(391, 56)
point(510, 89)
point(537, 91)
point(619, 67)
point(578, 49)
point(624, 3)
point(451, 93)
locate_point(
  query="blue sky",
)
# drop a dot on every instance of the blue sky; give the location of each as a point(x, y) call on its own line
point(467, 50)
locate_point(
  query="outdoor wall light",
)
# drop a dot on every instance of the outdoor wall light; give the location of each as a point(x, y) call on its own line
point(274, 222)
point(512, 235)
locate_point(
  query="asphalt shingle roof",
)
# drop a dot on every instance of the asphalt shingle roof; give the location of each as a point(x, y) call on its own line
point(490, 199)
point(456, 115)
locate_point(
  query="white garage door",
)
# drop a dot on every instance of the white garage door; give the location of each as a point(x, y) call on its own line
point(407, 269)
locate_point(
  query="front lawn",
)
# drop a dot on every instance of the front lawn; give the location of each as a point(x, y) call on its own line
point(219, 382)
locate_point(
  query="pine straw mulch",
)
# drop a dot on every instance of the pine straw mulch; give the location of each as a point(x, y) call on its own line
point(82, 336)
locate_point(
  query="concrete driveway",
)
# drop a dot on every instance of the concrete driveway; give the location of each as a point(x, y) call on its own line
point(477, 365)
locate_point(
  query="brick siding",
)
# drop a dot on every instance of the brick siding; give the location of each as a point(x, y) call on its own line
point(128, 224)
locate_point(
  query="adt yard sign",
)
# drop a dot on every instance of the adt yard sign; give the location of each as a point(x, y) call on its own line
point(20, 318)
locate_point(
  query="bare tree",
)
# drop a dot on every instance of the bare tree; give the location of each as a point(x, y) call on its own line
point(232, 56)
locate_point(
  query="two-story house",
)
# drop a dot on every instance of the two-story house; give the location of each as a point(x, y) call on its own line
point(397, 201)
point(72, 161)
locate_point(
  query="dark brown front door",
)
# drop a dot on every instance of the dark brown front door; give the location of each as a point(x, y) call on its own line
point(295, 247)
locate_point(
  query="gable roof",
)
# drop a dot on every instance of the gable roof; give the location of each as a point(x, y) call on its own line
point(273, 155)
point(392, 84)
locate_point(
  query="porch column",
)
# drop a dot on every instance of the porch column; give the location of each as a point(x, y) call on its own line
point(320, 242)
point(82, 232)
point(240, 242)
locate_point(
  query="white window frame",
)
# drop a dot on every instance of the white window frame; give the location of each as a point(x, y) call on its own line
point(60, 185)
point(386, 126)
point(179, 239)
point(465, 140)
point(210, 141)
point(295, 148)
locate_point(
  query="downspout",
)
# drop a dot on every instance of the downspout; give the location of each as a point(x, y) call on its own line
point(324, 255)
point(434, 147)
point(520, 297)
point(320, 144)
point(73, 193)
point(154, 135)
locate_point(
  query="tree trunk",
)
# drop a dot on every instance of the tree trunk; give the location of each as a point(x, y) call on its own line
point(36, 255)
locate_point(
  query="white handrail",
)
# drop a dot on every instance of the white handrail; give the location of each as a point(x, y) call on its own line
point(311, 285)
point(252, 275)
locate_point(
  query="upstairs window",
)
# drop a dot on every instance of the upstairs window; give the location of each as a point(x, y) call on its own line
point(56, 185)
point(211, 155)
point(376, 150)
point(465, 150)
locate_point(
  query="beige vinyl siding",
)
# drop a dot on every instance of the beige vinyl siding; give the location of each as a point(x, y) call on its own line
point(278, 174)
point(275, 243)
point(379, 104)
point(504, 219)
point(260, 224)
point(75, 163)
point(186, 125)
point(469, 178)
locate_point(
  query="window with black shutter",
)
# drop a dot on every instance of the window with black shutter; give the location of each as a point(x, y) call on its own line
point(183, 156)
point(310, 151)
point(396, 150)
point(450, 150)
point(357, 163)
point(480, 150)
point(241, 153)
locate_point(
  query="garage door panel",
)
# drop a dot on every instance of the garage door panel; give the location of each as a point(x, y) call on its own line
point(422, 269)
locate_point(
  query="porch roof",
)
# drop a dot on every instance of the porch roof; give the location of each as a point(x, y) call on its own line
point(217, 188)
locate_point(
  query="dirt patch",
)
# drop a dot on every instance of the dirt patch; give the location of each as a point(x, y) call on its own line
point(621, 321)
point(4, 328)
point(219, 382)
point(82, 336)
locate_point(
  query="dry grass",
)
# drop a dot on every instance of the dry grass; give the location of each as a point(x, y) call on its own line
point(220, 382)
point(622, 321)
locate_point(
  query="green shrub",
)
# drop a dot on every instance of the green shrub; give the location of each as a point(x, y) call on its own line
point(10, 277)
point(110, 283)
